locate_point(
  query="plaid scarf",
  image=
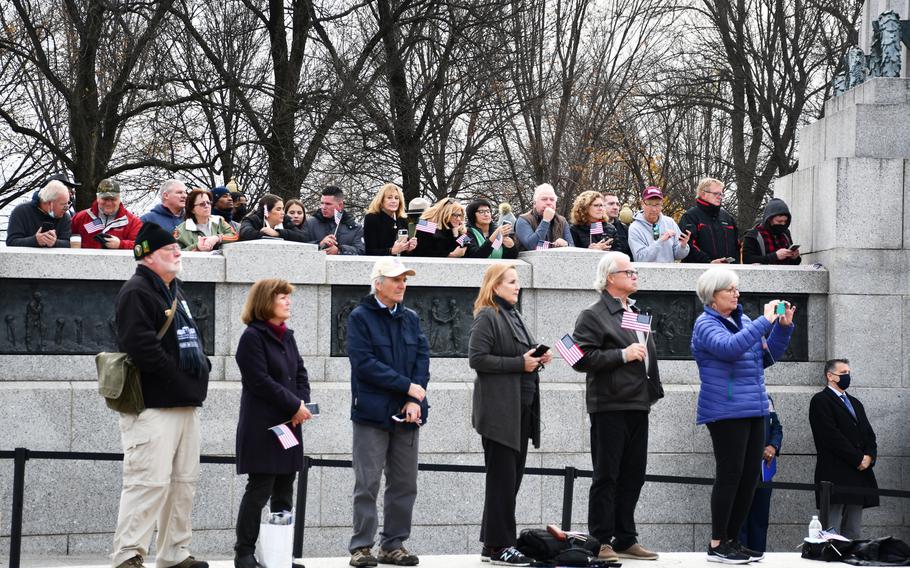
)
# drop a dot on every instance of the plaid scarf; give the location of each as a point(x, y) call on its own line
point(192, 358)
point(772, 241)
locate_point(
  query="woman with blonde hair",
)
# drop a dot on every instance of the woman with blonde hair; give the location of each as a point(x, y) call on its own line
point(275, 390)
point(440, 230)
point(385, 225)
point(590, 226)
point(201, 230)
point(506, 405)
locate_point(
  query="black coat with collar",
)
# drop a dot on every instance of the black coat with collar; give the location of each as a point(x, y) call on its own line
point(841, 442)
point(611, 384)
point(274, 383)
point(496, 353)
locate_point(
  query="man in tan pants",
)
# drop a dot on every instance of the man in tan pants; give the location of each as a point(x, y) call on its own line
point(160, 443)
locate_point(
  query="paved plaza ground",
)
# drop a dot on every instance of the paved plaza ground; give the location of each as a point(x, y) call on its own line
point(667, 560)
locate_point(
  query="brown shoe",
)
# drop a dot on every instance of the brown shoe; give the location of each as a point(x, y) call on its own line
point(638, 552)
point(190, 562)
point(607, 554)
point(134, 562)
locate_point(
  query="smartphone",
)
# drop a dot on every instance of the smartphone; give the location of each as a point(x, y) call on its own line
point(313, 407)
point(402, 234)
point(101, 238)
point(781, 308)
point(794, 247)
point(729, 260)
point(47, 226)
point(400, 417)
point(541, 349)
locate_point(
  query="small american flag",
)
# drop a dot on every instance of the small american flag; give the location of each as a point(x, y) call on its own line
point(636, 322)
point(286, 437)
point(597, 228)
point(426, 226)
point(462, 240)
point(497, 242)
point(338, 215)
point(569, 350)
point(543, 245)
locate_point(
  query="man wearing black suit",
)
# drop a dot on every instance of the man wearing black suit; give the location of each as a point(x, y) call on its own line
point(846, 448)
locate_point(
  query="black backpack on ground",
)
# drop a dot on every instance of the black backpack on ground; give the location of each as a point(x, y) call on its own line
point(571, 549)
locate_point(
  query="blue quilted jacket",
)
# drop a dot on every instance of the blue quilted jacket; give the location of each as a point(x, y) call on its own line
point(730, 363)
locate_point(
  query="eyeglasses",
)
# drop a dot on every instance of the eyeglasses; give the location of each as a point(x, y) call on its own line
point(714, 193)
point(458, 215)
point(484, 212)
point(629, 273)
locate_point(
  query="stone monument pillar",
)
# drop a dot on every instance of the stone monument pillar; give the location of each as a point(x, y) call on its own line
point(850, 200)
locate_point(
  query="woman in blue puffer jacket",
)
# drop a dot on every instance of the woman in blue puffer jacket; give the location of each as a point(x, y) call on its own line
point(732, 351)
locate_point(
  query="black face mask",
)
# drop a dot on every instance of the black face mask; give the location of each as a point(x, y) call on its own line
point(239, 212)
point(843, 381)
point(778, 229)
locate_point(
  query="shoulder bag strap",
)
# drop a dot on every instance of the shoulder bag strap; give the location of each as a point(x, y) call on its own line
point(170, 317)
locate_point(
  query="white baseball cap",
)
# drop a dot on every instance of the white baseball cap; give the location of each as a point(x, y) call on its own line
point(390, 266)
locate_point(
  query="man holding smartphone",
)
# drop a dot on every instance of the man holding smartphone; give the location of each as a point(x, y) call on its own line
point(107, 223)
point(769, 242)
point(43, 221)
point(390, 369)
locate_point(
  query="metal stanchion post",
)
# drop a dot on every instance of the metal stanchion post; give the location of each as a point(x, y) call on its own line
point(300, 517)
point(568, 492)
point(15, 533)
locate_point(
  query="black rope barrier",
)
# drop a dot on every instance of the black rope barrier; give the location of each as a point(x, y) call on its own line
point(21, 455)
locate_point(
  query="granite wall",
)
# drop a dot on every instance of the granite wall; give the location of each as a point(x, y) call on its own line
point(50, 403)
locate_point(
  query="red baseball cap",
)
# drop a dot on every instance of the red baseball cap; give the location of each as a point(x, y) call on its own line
point(651, 192)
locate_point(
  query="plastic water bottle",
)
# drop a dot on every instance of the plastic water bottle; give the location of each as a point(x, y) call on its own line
point(815, 528)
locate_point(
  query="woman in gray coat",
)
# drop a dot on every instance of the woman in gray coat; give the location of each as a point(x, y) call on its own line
point(506, 407)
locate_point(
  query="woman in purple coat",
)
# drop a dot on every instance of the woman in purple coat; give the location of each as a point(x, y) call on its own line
point(275, 391)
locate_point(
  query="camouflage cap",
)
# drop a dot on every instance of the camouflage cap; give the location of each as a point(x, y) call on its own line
point(108, 187)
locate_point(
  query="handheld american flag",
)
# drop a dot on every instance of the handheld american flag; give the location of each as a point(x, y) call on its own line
point(425, 226)
point(543, 245)
point(286, 437)
point(462, 240)
point(338, 215)
point(497, 242)
point(597, 228)
point(569, 350)
point(636, 322)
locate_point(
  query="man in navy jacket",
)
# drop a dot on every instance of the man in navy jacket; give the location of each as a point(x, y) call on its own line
point(390, 369)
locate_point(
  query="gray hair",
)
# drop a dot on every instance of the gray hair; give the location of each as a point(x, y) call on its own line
point(541, 188)
point(50, 191)
point(376, 281)
point(605, 267)
point(168, 185)
point(712, 281)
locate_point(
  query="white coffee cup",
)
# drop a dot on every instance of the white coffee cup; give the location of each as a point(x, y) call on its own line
point(76, 242)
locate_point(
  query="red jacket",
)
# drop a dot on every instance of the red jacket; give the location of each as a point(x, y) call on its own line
point(87, 224)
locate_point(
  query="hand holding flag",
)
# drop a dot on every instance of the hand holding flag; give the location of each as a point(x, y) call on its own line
point(569, 350)
point(285, 435)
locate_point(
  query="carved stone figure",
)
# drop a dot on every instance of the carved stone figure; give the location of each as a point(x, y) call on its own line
point(341, 324)
point(201, 315)
point(455, 326)
point(58, 333)
point(99, 332)
point(438, 327)
point(34, 324)
point(10, 329)
point(77, 323)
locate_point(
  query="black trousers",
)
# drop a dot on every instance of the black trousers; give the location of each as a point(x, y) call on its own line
point(261, 488)
point(738, 445)
point(505, 469)
point(619, 454)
